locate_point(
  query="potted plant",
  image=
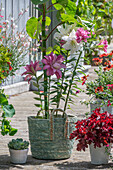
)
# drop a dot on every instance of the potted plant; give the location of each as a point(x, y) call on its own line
point(99, 90)
point(96, 131)
point(49, 132)
point(18, 149)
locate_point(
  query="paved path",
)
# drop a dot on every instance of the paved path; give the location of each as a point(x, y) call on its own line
point(24, 106)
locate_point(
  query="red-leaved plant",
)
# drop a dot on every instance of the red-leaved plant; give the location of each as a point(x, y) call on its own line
point(96, 129)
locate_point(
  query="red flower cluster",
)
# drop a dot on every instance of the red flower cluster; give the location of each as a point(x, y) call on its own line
point(106, 54)
point(107, 63)
point(108, 67)
point(97, 61)
point(84, 78)
point(97, 129)
point(99, 89)
point(10, 68)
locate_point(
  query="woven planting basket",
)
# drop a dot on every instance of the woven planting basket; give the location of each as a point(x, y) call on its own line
point(49, 138)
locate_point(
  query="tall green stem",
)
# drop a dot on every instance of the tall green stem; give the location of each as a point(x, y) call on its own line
point(38, 90)
point(49, 93)
point(63, 76)
point(70, 85)
point(43, 54)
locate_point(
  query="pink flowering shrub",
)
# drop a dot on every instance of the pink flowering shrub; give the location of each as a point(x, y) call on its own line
point(96, 129)
point(18, 42)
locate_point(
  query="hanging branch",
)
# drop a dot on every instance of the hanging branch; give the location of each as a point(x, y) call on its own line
point(52, 5)
point(53, 30)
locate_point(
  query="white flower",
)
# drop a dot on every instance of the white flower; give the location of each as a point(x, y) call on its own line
point(4, 29)
point(7, 21)
point(30, 39)
point(63, 30)
point(71, 43)
point(21, 12)
point(21, 35)
point(83, 100)
point(16, 26)
point(26, 10)
point(12, 19)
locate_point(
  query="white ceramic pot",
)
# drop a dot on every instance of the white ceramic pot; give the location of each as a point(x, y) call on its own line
point(98, 155)
point(18, 156)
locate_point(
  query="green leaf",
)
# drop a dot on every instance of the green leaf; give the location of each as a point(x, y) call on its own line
point(72, 59)
point(57, 6)
point(38, 105)
point(53, 92)
point(99, 31)
point(38, 93)
point(33, 27)
point(71, 8)
point(62, 2)
point(38, 9)
point(36, 2)
point(99, 4)
point(9, 110)
point(49, 50)
point(37, 98)
point(13, 132)
point(67, 18)
point(39, 77)
point(35, 84)
point(3, 99)
point(48, 21)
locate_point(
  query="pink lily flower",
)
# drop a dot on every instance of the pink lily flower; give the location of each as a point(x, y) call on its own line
point(105, 45)
point(31, 70)
point(53, 64)
point(82, 35)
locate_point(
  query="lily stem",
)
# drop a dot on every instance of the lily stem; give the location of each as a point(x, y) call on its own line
point(70, 85)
